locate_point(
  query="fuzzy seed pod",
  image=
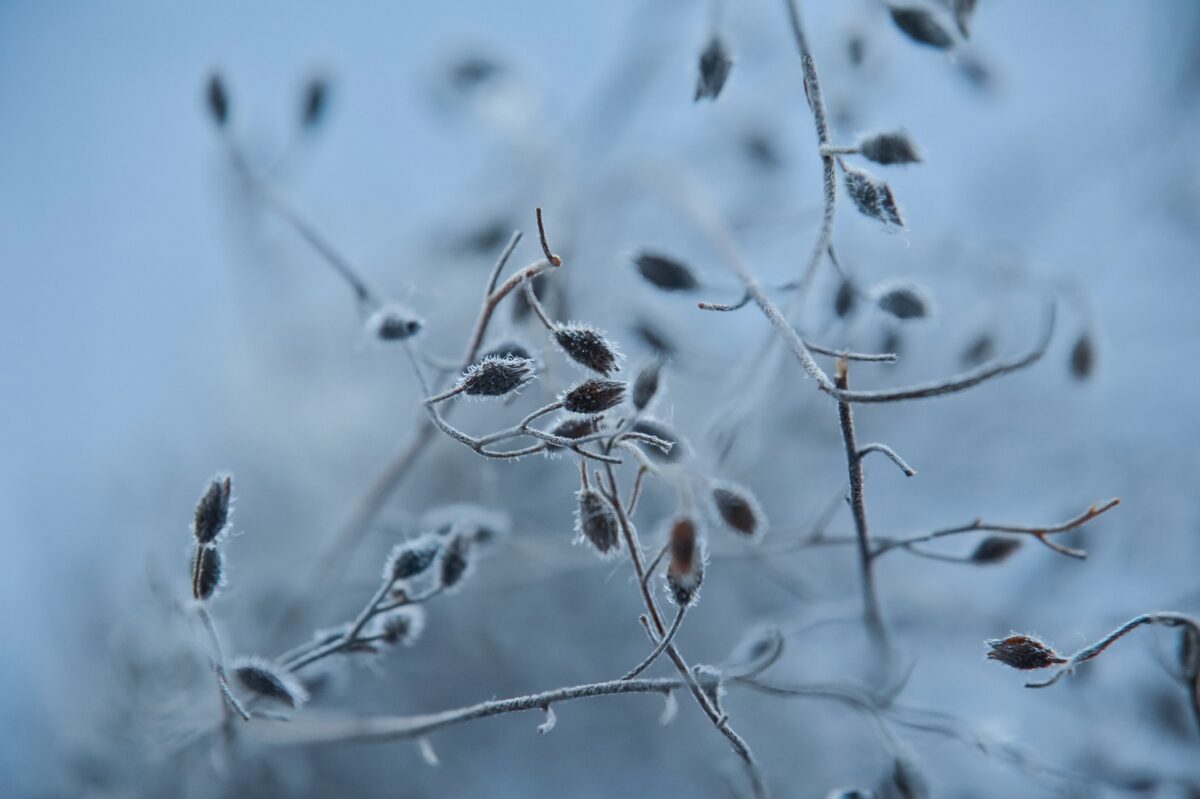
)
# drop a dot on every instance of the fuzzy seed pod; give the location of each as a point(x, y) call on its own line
point(686, 571)
point(393, 323)
point(739, 509)
point(212, 511)
point(714, 70)
point(1023, 652)
point(921, 26)
point(645, 387)
point(266, 680)
point(594, 396)
point(454, 563)
point(666, 273)
point(845, 299)
point(401, 626)
point(653, 427)
point(573, 427)
point(509, 349)
point(495, 377)
point(587, 346)
point(316, 99)
point(596, 523)
point(904, 301)
point(872, 196)
point(411, 558)
point(893, 147)
point(995, 549)
point(207, 572)
point(217, 99)
point(1083, 358)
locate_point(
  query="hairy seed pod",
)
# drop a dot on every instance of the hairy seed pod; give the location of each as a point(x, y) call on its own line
point(411, 558)
point(1023, 652)
point(399, 627)
point(872, 196)
point(573, 427)
point(454, 564)
point(314, 102)
point(587, 346)
point(892, 147)
point(686, 570)
point(995, 549)
point(665, 273)
point(596, 522)
point(1083, 358)
point(217, 99)
point(714, 69)
point(393, 323)
point(594, 396)
point(645, 387)
point(845, 299)
point(266, 680)
point(509, 349)
point(921, 26)
point(207, 573)
point(495, 377)
point(212, 511)
point(653, 427)
point(904, 301)
point(739, 509)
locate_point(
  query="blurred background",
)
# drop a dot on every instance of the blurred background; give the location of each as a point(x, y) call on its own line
point(161, 324)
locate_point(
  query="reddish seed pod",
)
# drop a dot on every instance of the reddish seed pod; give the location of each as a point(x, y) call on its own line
point(212, 511)
point(1023, 652)
point(686, 570)
point(587, 346)
point(594, 396)
point(739, 509)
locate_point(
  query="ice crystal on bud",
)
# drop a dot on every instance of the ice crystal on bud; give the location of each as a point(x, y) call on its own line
point(393, 323)
point(1023, 652)
point(588, 347)
point(739, 509)
point(872, 196)
point(666, 273)
point(686, 570)
point(212, 511)
point(494, 376)
point(265, 679)
point(892, 147)
point(594, 396)
point(596, 522)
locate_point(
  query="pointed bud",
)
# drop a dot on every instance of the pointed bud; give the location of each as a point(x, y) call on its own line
point(995, 549)
point(411, 558)
point(714, 69)
point(921, 26)
point(872, 196)
point(207, 573)
point(904, 301)
point(893, 147)
point(268, 681)
point(212, 511)
point(686, 570)
point(845, 299)
point(495, 377)
point(587, 346)
point(1083, 358)
point(666, 273)
point(1023, 652)
point(596, 523)
point(739, 509)
point(594, 396)
point(645, 387)
point(217, 99)
point(393, 323)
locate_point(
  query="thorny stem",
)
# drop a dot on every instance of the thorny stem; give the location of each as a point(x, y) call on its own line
point(874, 618)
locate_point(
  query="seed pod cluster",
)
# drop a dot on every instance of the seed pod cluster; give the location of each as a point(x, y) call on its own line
point(596, 523)
point(1023, 652)
point(594, 396)
point(588, 347)
point(685, 573)
point(495, 376)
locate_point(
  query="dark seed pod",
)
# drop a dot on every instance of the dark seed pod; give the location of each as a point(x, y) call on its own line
point(314, 103)
point(594, 396)
point(653, 427)
point(921, 26)
point(587, 346)
point(495, 377)
point(963, 11)
point(393, 323)
point(1083, 358)
point(645, 387)
point(453, 565)
point(212, 511)
point(1023, 652)
point(402, 626)
point(596, 523)
point(509, 349)
point(904, 301)
point(893, 147)
point(981, 348)
point(845, 299)
point(739, 509)
point(206, 572)
point(686, 570)
point(411, 558)
point(217, 99)
point(995, 549)
point(714, 69)
point(666, 273)
point(264, 679)
point(872, 196)
point(574, 427)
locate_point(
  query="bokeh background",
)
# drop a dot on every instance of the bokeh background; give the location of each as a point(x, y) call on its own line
point(160, 325)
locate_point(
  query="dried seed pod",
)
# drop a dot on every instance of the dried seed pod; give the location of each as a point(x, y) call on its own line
point(845, 299)
point(921, 26)
point(666, 273)
point(393, 323)
point(212, 511)
point(686, 570)
point(714, 69)
point(454, 564)
point(509, 349)
point(891, 147)
point(596, 523)
point(995, 549)
point(399, 627)
point(314, 102)
point(981, 348)
point(904, 301)
point(411, 558)
point(495, 377)
point(738, 508)
point(1023, 652)
point(268, 681)
point(573, 427)
point(645, 387)
point(872, 196)
point(217, 99)
point(653, 427)
point(588, 347)
point(1083, 357)
point(594, 396)
point(963, 11)
point(207, 572)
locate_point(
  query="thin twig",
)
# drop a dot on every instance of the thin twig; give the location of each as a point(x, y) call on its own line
point(663, 644)
point(893, 456)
